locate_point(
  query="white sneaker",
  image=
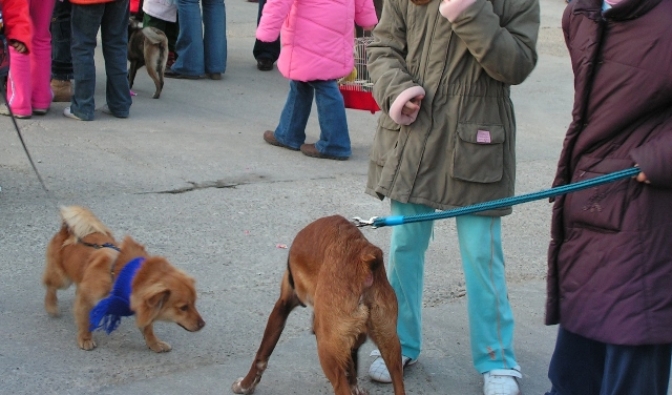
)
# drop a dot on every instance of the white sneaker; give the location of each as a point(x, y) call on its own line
point(70, 115)
point(378, 371)
point(501, 382)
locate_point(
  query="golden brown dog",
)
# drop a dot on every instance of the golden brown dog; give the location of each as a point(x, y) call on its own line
point(84, 252)
point(336, 270)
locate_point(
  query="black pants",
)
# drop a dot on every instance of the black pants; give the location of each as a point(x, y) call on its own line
point(581, 366)
point(61, 59)
point(264, 50)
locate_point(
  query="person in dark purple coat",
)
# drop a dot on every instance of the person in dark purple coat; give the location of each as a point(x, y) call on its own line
point(609, 277)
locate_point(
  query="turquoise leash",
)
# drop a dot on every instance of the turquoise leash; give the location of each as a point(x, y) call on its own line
point(379, 222)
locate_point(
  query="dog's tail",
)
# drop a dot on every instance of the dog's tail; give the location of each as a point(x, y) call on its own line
point(80, 223)
point(154, 36)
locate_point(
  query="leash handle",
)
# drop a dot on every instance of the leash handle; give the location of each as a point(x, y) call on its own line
point(379, 222)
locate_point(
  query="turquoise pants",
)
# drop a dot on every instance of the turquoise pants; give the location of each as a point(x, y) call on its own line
point(490, 316)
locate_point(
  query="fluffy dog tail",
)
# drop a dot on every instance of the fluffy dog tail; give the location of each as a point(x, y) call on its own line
point(80, 223)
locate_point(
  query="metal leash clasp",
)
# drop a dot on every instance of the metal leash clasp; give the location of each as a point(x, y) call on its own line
point(360, 223)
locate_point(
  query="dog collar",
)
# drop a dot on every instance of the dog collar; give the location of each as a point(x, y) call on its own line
point(108, 312)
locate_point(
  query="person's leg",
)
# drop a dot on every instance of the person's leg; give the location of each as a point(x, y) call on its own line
point(265, 53)
point(18, 85)
point(189, 45)
point(291, 130)
point(41, 12)
point(405, 270)
point(636, 370)
point(490, 316)
point(214, 40)
point(114, 35)
point(61, 60)
point(85, 22)
point(577, 365)
point(334, 136)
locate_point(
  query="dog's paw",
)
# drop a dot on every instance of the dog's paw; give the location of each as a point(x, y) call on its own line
point(159, 346)
point(237, 387)
point(53, 311)
point(87, 344)
point(356, 390)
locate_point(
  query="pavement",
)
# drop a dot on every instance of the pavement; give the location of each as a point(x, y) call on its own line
point(189, 176)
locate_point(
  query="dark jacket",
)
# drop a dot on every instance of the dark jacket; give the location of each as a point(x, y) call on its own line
point(610, 258)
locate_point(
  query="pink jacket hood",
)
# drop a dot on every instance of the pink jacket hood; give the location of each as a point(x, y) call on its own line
point(316, 36)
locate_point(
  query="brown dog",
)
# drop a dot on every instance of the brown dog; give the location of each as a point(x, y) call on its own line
point(84, 252)
point(335, 269)
point(147, 47)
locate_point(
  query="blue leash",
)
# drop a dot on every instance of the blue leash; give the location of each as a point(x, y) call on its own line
point(379, 222)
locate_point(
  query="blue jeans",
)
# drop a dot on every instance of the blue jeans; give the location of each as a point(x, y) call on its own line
point(264, 50)
point(334, 137)
point(491, 324)
point(61, 60)
point(201, 44)
point(112, 20)
point(583, 366)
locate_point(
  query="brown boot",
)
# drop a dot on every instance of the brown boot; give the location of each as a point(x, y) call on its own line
point(62, 90)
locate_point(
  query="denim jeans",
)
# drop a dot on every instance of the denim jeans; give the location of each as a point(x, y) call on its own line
point(334, 137)
point(264, 50)
point(112, 20)
point(61, 60)
point(201, 44)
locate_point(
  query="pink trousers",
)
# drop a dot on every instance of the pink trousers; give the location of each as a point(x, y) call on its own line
point(29, 74)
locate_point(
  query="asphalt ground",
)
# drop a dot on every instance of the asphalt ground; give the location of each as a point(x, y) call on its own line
point(189, 176)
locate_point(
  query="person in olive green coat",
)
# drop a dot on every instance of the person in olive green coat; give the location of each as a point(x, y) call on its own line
point(442, 71)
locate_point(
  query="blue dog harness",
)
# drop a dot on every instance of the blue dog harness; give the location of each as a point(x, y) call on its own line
point(108, 312)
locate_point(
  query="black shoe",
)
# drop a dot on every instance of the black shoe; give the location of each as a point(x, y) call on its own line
point(265, 64)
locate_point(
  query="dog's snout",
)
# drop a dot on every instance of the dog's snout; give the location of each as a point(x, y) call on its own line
point(201, 324)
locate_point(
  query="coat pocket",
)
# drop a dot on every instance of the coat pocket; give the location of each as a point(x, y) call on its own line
point(479, 153)
point(386, 140)
point(601, 207)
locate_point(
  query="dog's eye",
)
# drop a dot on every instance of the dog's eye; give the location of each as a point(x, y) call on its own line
point(185, 307)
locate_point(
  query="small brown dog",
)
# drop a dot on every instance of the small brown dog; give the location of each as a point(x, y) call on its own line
point(147, 47)
point(84, 252)
point(334, 268)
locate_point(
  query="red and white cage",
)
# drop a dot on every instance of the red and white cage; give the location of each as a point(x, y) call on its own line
point(357, 87)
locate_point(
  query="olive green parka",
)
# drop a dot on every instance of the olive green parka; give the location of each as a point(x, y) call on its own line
point(461, 148)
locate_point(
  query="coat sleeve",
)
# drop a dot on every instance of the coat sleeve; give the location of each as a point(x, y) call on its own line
point(365, 13)
point(504, 46)
point(655, 160)
point(386, 64)
point(16, 22)
point(273, 16)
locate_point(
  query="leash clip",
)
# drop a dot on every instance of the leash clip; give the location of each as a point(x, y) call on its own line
point(360, 223)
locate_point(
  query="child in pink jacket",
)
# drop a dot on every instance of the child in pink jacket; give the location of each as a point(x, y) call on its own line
point(28, 88)
point(317, 38)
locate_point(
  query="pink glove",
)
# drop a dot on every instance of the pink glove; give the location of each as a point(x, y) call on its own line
point(451, 9)
point(397, 108)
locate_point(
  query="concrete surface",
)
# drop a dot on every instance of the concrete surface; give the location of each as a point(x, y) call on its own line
point(190, 176)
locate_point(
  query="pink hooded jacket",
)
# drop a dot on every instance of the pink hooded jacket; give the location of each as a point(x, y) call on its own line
point(317, 36)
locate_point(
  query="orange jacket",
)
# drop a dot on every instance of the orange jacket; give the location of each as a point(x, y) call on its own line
point(16, 22)
point(89, 2)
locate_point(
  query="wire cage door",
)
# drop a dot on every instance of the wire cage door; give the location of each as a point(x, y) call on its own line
point(357, 87)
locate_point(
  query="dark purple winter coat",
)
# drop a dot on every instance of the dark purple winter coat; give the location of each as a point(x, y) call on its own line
point(610, 258)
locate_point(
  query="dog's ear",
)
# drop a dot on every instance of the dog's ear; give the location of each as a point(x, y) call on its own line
point(149, 303)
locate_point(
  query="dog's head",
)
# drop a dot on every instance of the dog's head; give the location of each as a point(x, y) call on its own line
point(161, 292)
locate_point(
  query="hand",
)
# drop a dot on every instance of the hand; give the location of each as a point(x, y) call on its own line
point(641, 177)
point(412, 106)
point(18, 46)
point(451, 9)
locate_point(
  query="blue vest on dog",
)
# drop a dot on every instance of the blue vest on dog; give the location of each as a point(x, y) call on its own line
point(108, 312)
